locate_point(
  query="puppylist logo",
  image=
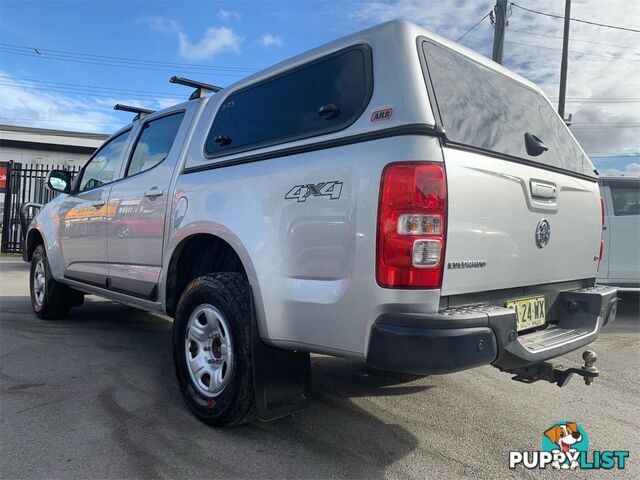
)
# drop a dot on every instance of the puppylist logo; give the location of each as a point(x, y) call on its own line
point(565, 446)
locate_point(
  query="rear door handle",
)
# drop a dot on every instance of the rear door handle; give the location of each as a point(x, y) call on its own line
point(153, 193)
point(98, 204)
point(543, 190)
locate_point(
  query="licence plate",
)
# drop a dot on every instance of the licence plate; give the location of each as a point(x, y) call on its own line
point(530, 312)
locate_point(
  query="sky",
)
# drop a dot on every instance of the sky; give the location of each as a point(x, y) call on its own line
point(64, 64)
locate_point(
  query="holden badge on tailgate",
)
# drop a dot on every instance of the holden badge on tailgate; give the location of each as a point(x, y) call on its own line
point(543, 233)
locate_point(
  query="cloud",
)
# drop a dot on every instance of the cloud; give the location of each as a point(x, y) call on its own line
point(227, 15)
point(449, 18)
point(110, 102)
point(633, 169)
point(163, 102)
point(268, 40)
point(214, 41)
point(162, 24)
point(143, 151)
point(22, 106)
point(158, 103)
point(596, 72)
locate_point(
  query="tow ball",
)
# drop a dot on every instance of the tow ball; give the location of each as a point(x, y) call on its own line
point(558, 375)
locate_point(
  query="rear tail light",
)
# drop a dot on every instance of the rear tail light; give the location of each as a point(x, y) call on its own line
point(426, 253)
point(411, 225)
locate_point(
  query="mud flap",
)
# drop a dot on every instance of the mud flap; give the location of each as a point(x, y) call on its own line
point(281, 379)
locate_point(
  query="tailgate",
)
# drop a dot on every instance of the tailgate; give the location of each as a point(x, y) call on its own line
point(496, 225)
point(523, 199)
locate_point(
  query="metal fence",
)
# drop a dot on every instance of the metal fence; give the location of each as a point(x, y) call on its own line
point(24, 184)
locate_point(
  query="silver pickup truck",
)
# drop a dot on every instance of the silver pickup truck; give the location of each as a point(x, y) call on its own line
point(390, 197)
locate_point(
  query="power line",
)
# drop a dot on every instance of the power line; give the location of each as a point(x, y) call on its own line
point(576, 19)
point(89, 88)
point(58, 133)
point(606, 125)
point(573, 39)
point(78, 92)
point(604, 98)
point(118, 63)
point(136, 61)
point(614, 155)
point(600, 100)
point(113, 64)
point(50, 119)
point(474, 26)
point(574, 52)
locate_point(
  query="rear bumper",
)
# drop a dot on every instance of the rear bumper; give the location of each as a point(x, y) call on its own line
point(461, 338)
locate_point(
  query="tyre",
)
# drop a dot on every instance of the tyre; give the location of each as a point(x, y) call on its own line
point(212, 338)
point(50, 299)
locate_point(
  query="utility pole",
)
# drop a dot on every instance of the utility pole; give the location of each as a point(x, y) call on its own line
point(499, 28)
point(565, 54)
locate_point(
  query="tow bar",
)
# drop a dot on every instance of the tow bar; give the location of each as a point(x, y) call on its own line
point(549, 373)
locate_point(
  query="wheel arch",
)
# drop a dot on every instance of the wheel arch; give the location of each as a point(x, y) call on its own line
point(202, 253)
point(33, 239)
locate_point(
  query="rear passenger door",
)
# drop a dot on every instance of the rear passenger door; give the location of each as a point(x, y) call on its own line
point(135, 231)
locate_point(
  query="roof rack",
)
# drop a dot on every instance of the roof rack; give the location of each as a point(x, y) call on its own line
point(139, 111)
point(201, 88)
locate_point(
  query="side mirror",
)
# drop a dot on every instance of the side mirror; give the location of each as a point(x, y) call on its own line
point(59, 181)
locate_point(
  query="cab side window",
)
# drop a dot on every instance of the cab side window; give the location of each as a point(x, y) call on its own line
point(102, 167)
point(154, 143)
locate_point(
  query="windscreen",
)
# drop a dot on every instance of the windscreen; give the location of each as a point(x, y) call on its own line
point(485, 109)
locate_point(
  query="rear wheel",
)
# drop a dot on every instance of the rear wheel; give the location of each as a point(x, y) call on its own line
point(50, 299)
point(212, 349)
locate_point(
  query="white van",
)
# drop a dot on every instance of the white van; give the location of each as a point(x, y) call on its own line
point(620, 264)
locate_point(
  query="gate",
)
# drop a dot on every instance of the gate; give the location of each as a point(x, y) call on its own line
point(24, 184)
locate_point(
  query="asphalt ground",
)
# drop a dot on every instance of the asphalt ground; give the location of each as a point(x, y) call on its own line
point(95, 396)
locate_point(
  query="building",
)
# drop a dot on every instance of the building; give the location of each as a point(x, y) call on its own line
point(43, 149)
point(42, 146)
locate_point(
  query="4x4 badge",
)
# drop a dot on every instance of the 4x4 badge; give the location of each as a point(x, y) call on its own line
point(543, 233)
point(322, 189)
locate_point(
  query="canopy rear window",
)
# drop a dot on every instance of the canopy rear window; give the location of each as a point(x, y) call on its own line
point(485, 109)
